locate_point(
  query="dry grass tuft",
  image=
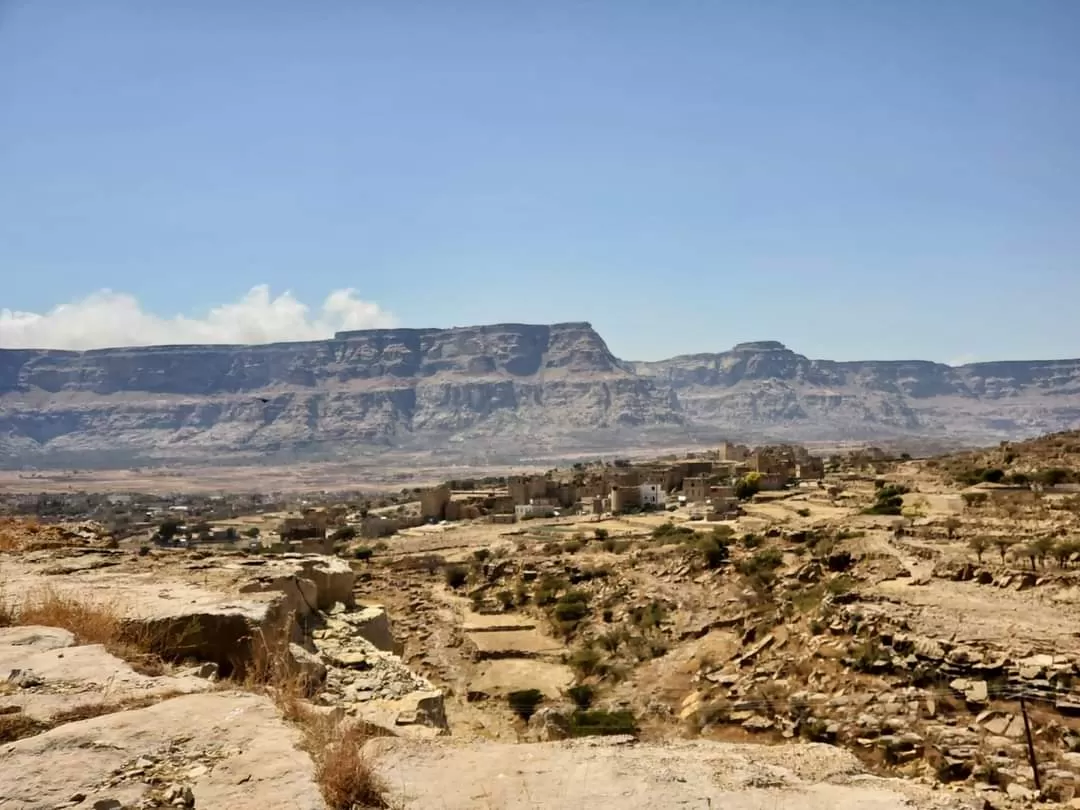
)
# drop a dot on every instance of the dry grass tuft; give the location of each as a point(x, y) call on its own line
point(93, 623)
point(16, 726)
point(345, 777)
point(90, 623)
point(344, 774)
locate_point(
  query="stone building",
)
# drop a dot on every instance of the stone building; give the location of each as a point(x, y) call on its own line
point(696, 488)
point(433, 502)
point(652, 495)
point(732, 452)
point(624, 497)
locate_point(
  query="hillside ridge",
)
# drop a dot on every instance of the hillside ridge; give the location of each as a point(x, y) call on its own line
point(494, 391)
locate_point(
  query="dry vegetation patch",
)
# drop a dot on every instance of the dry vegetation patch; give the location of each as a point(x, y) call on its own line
point(93, 623)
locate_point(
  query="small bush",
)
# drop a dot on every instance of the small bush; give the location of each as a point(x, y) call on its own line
point(597, 722)
point(716, 554)
point(649, 616)
point(600, 534)
point(841, 585)
point(525, 702)
point(456, 576)
point(582, 695)
point(573, 546)
point(612, 640)
point(547, 590)
point(481, 554)
point(573, 606)
point(804, 512)
point(766, 560)
point(363, 552)
point(752, 541)
point(671, 533)
point(585, 661)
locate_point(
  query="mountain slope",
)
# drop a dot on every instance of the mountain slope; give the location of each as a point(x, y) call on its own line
point(500, 391)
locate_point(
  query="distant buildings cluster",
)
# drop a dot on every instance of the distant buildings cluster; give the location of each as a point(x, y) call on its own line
point(708, 482)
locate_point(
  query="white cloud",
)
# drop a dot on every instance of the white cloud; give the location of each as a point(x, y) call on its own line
point(108, 318)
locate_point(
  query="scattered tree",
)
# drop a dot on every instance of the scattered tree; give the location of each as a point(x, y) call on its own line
point(1003, 544)
point(1043, 548)
point(748, 486)
point(979, 544)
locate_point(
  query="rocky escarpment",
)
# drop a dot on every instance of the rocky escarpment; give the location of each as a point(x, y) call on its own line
point(491, 393)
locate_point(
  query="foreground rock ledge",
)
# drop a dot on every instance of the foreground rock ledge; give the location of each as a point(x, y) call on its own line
point(230, 749)
point(615, 772)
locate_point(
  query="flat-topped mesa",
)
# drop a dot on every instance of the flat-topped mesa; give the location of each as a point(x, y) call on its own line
point(490, 391)
point(510, 348)
point(760, 346)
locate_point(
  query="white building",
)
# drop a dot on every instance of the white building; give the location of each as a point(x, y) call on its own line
point(534, 510)
point(653, 494)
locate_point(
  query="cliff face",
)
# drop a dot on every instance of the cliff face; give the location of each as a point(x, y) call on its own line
point(501, 391)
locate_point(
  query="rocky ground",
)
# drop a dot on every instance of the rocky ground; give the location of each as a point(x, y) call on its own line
point(824, 658)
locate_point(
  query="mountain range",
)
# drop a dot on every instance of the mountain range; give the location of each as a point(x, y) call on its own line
point(498, 393)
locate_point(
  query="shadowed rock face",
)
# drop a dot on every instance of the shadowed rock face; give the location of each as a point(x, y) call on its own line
point(489, 392)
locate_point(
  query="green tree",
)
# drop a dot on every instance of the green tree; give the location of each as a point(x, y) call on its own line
point(1043, 548)
point(748, 486)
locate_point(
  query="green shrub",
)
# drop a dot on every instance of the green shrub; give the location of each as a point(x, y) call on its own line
point(670, 532)
point(582, 695)
point(649, 616)
point(524, 702)
point(747, 487)
point(481, 554)
point(573, 606)
point(841, 585)
point(363, 552)
point(752, 541)
point(573, 546)
point(889, 500)
point(600, 534)
point(714, 552)
point(456, 576)
point(612, 640)
point(585, 661)
point(343, 533)
point(598, 722)
point(765, 561)
point(547, 590)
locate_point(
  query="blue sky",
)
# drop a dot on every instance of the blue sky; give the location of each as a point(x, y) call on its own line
point(857, 179)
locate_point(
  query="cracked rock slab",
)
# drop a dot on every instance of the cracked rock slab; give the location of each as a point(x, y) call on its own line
point(617, 773)
point(230, 749)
